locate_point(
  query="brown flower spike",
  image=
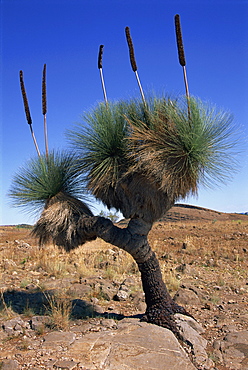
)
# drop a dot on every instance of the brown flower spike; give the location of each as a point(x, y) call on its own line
point(44, 99)
point(100, 56)
point(131, 49)
point(99, 63)
point(25, 99)
point(180, 48)
point(27, 111)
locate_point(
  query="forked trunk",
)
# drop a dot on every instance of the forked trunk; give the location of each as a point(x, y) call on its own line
point(133, 239)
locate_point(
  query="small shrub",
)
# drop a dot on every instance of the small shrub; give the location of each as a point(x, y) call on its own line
point(60, 309)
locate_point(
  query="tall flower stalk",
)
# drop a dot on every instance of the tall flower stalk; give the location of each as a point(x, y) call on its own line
point(133, 61)
point(44, 107)
point(101, 73)
point(181, 57)
point(27, 111)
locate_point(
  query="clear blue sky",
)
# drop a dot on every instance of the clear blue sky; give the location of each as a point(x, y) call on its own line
point(66, 34)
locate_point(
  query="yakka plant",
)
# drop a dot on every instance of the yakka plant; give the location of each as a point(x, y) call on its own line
point(139, 157)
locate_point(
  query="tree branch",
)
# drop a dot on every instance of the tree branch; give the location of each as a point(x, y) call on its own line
point(132, 239)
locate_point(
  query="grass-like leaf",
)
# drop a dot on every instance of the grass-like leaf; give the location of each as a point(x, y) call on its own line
point(136, 157)
point(180, 155)
point(157, 140)
point(45, 177)
point(101, 145)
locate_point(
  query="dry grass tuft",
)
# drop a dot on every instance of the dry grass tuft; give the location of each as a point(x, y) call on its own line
point(60, 309)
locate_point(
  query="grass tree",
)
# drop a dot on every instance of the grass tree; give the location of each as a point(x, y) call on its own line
point(141, 158)
point(138, 157)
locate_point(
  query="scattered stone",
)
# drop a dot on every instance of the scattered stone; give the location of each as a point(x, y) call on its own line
point(129, 281)
point(38, 323)
point(190, 331)
point(238, 337)
point(108, 291)
point(121, 295)
point(65, 365)
point(228, 328)
point(233, 358)
point(79, 290)
point(138, 297)
point(15, 326)
point(98, 309)
point(190, 321)
point(9, 365)
point(83, 328)
point(108, 323)
point(233, 350)
point(186, 269)
point(208, 306)
point(94, 300)
point(21, 244)
point(186, 297)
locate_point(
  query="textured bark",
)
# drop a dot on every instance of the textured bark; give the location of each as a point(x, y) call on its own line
point(133, 239)
point(160, 306)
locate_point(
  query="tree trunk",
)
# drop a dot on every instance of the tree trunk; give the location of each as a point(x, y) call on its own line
point(133, 239)
point(160, 306)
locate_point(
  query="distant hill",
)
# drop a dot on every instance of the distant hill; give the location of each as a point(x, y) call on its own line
point(186, 212)
point(182, 212)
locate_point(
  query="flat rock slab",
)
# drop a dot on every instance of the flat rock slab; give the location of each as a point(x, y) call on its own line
point(134, 345)
point(57, 338)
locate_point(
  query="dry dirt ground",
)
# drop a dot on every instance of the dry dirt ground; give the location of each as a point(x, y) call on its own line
point(204, 260)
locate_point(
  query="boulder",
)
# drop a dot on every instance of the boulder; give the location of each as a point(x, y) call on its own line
point(134, 345)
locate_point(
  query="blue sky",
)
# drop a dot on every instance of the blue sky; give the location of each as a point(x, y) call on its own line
point(66, 34)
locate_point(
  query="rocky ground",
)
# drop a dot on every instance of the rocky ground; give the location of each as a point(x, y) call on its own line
point(81, 310)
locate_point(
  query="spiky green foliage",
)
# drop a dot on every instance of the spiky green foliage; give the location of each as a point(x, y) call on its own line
point(45, 177)
point(175, 151)
point(101, 141)
point(101, 145)
point(180, 153)
point(138, 158)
